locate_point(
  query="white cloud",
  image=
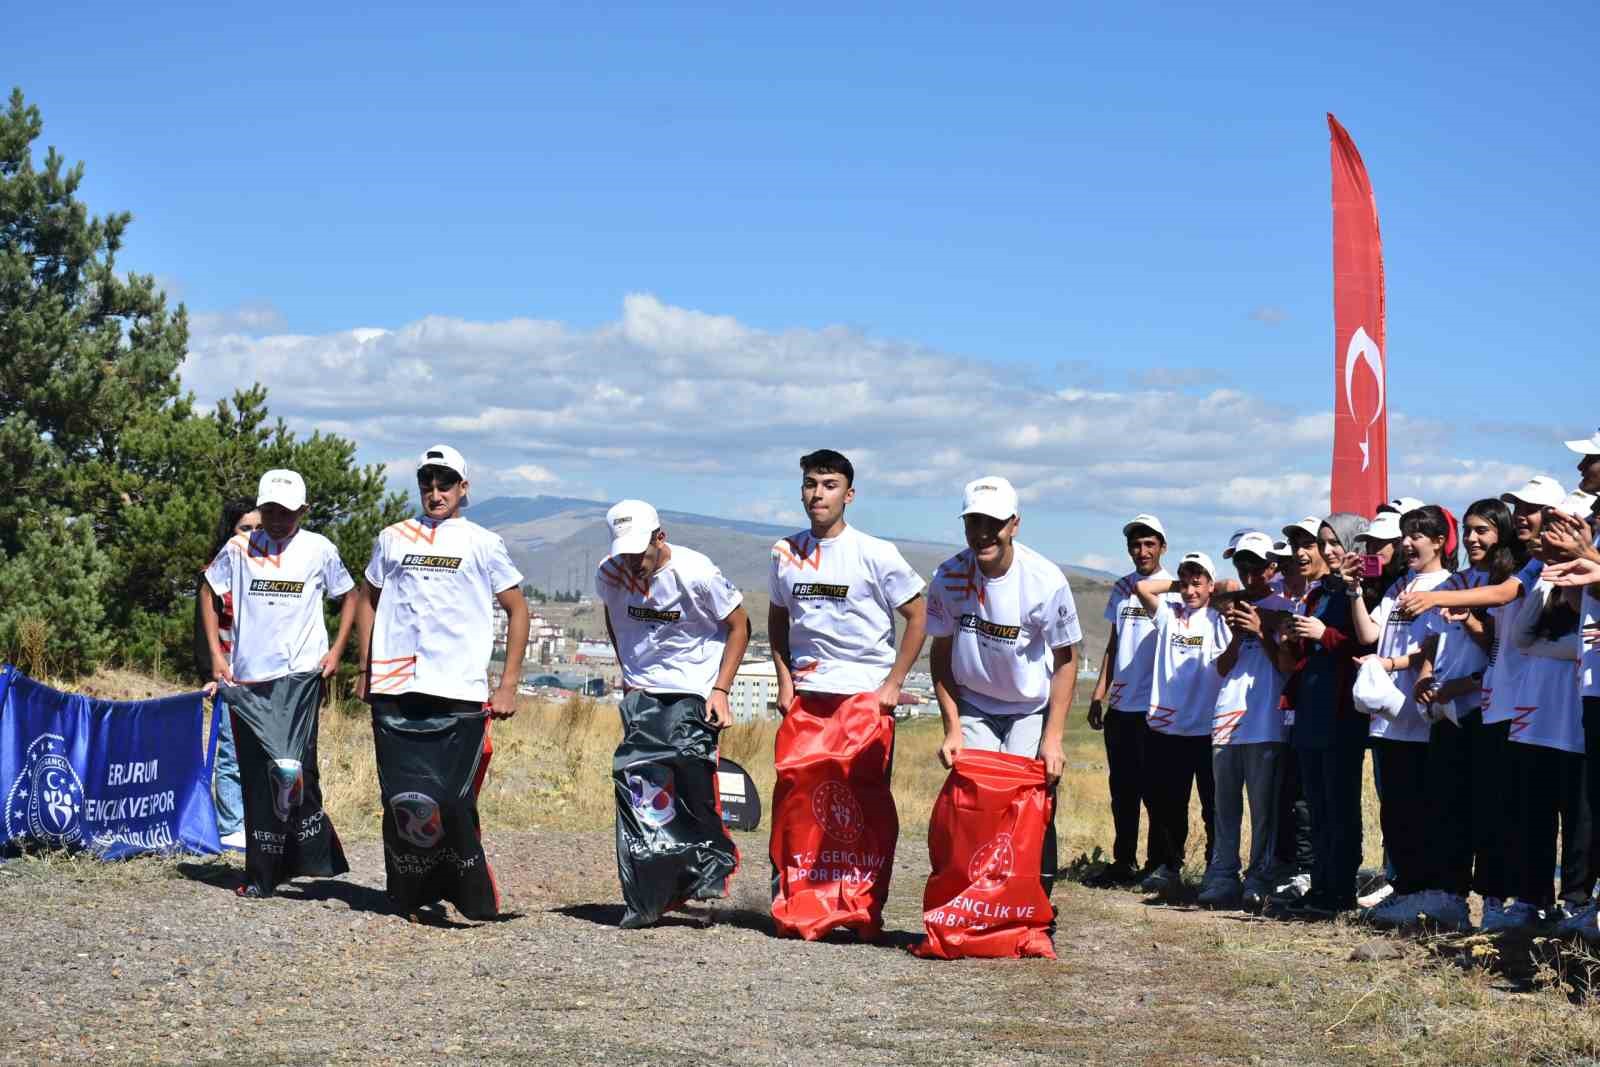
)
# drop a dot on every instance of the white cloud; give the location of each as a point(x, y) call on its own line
point(689, 398)
point(1095, 561)
point(1269, 314)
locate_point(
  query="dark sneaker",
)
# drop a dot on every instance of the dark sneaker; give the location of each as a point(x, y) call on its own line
point(1113, 876)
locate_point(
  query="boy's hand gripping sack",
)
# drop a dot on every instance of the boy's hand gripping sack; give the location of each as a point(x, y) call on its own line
point(834, 825)
point(671, 844)
point(986, 841)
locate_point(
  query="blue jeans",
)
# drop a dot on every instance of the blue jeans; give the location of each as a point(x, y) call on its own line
point(230, 795)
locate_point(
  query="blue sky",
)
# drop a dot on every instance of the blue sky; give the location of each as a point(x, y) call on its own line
point(1130, 205)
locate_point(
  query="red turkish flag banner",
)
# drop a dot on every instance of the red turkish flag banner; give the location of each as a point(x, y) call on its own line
point(1360, 361)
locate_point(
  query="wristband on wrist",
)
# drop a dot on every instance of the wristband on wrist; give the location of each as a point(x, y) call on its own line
point(719, 689)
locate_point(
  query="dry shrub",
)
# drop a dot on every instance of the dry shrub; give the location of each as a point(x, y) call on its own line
point(30, 651)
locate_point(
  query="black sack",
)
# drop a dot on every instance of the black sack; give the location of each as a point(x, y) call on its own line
point(287, 834)
point(741, 800)
point(432, 758)
point(671, 844)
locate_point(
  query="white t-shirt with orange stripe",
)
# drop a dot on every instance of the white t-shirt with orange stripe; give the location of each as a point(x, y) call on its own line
point(1129, 688)
point(1548, 709)
point(277, 589)
point(434, 631)
point(1184, 682)
point(841, 594)
point(669, 627)
point(1248, 707)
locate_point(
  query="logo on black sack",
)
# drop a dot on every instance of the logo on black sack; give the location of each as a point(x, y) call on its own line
point(985, 628)
point(416, 561)
point(652, 614)
point(417, 819)
point(820, 591)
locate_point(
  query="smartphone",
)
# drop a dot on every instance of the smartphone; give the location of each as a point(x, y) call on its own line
point(1371, 566)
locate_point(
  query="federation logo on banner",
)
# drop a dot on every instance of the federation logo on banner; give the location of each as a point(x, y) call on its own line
point(653, 804)
point(288, 782)
point(838, 812)
point(992, 864)
point(417, 819)
point(46, 799)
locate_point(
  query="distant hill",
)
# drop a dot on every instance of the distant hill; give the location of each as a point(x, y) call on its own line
point(557, 542)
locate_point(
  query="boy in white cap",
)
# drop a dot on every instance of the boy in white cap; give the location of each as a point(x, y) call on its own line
point(426, 636)
point(679, 629)
point(1190, 634)
point(1124, 685)
point(1005, 633)
point(1247, 732)
point(835, 592)
point(277, 578)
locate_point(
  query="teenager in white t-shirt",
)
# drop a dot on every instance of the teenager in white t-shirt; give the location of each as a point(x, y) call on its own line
point(1121, 700)
point(1190, 635)
point(1400, 745)
point(1005, 633)
point(426, 638)
point(1247, 732)
point(835, 592)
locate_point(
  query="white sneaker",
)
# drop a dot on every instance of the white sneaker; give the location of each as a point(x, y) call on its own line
point(1581, 923)
point(1446, 910)
point(234, 841)
point(1295, 887)
point(1376, 897)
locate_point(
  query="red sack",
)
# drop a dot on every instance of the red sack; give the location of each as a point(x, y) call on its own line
point(986, 841)
point(834, 825)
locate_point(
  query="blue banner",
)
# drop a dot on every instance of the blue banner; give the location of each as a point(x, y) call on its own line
point(115, 778)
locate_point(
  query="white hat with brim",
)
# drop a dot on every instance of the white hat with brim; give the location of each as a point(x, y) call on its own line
point(1149, 522)
point(1255, 543)
point(282, 487)
point(1375, 692)
point(448, 458)
point(1386, 527)
point(1400, 505)
point(633, 524)
point(991, 496)
point(1201, 560)
point(1281, 550)
point(1589, 446)
point(1542, 491)
point(1233, 542)
point(1310, 525)
point(1577, 503)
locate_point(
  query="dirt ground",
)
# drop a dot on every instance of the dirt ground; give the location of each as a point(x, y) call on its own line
point(157, 962)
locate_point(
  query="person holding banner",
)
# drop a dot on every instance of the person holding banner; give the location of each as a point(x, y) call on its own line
point(272, 680)
point(426, 635)
point(679, 629)
point(835, 592)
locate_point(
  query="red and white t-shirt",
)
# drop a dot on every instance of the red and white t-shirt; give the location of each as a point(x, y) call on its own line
point(1004, 629)
point(1249, 705)
point(841, 594)
point(276, 588)
point(434, 631)
point(1135, 663)
point(669, 628)
point(1184, 682)
point(1548, 709)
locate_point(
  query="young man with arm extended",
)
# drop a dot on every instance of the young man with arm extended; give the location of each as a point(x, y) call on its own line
point(272, 680)
point(1005, 636)
point(835, 592)
point(1121, 699)
point(679, 629)
point(427, 632)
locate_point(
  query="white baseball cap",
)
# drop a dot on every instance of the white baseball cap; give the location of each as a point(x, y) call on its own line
point(1255, 542)
point(282, 487)
point(1201, 560)
point(992, 496)
point(1148, 521)
point(1281, 550)
point(1309, 525)
point(1374, 691)
point(448, 458)
point(1233, 542)
point(1386, 527)
point(1587, 447)
point(1577, 504)
point(1542, 491)
point(1400, 505)
point(633, 523)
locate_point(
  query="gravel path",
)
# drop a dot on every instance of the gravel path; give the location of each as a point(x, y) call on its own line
point(155, 962)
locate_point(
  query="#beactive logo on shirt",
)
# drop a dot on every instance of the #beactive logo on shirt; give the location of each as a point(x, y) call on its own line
point(1133, 611)
point(992, 864)
point(820, 591)
point(985, 628)
point(416, 561)
point(653, 804)
point(46, 799)
point(838, 812)
point(417, 819)
point(288, 781)
point(276, 587)
point(1187, 642)
point(652, 614)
